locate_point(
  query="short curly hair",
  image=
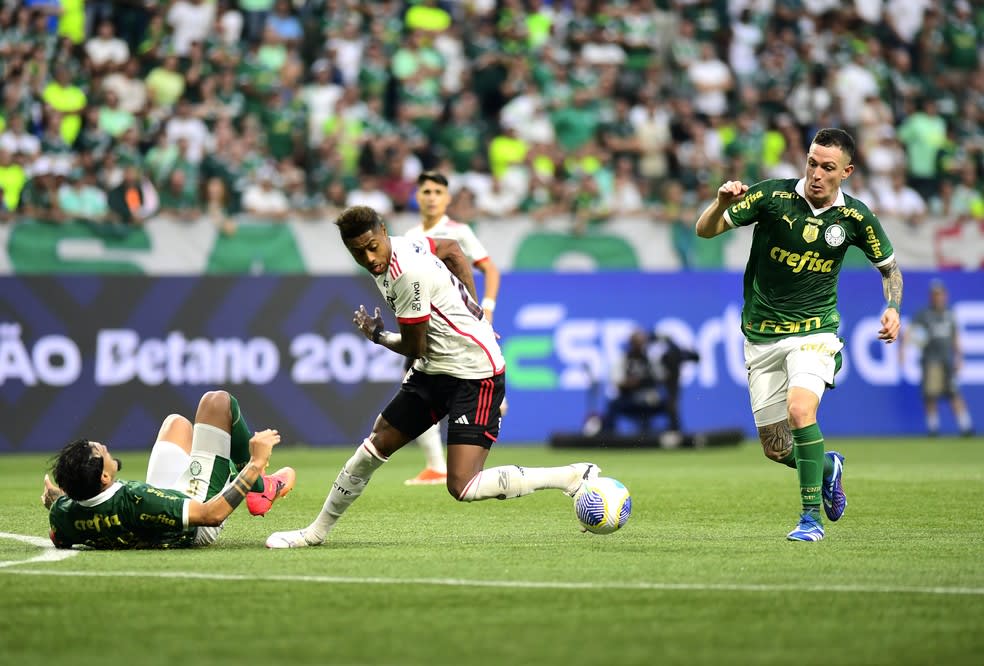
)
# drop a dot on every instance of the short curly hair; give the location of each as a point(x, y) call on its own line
point(357, 220)
point(78, 471)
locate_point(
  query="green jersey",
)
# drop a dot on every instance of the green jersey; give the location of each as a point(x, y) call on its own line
point(797, 252)
point(128, 514)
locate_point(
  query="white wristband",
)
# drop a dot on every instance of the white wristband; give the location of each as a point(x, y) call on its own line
point(488, 304)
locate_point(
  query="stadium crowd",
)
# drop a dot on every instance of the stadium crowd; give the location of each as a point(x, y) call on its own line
point(113, 112)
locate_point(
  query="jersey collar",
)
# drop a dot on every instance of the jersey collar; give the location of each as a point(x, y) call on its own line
point(440, 223)
point(801, 190)
point(103, 496)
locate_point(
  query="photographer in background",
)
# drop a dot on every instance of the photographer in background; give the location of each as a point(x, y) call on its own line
point(648, 382)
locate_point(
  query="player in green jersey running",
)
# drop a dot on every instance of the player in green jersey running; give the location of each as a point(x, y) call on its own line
point(187, 496)
point(803, 229)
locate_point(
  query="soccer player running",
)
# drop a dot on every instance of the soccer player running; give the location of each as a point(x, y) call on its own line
point(433, 198)
point(187, 495)
point(459, 372)
point(790, 320)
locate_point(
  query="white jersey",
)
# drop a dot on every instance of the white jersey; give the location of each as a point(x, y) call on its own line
point(419, 287)
point(448, 228)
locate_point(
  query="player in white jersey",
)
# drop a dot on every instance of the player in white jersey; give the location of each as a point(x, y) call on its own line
point(433, 198)
point(458, 372)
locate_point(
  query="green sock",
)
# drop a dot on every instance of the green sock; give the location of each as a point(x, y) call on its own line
point(239, 445)
point(790, 461)
point(808, 448)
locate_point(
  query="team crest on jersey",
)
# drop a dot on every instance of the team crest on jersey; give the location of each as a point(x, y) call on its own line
point(835, 235)
point(811, 230)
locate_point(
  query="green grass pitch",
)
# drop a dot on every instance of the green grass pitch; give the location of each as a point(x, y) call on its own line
point(702, 573)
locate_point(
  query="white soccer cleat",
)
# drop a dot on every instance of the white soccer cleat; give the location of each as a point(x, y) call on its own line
point(585, 472)
point(292, 539)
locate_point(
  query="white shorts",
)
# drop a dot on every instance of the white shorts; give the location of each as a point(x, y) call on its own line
point(807, 361)
point(168, 468)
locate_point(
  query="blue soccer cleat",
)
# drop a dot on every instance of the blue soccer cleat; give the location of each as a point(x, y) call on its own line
point(834, 499)
point(809, 529)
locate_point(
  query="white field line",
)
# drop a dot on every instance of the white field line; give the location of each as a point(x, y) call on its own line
point(48, 553)
point(51, 555)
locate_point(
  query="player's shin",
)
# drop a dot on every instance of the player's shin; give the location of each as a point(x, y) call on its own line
point(348, 485)
point(430, 444)
point(514, 481)
point(240, 436)
point(808, 449)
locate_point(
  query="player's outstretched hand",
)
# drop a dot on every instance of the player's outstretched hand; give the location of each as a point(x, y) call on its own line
point(261, 444)
point(890, 326)
point(366, 323)
point(731, 191)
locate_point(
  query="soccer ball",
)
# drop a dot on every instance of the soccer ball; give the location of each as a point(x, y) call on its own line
point(603, 505)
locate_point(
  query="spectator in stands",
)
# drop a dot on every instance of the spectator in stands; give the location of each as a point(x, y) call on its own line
point(332, 202)
point(106, 52)
point(900, 203)
point(968, 198)
point(712, 81)
point(368, 193)
point(184, 126)
point(626, 198)
point(618, 135)
point(23, 145)
point(190, 21)
point(134, 200)
point(284, 24)
point(113, 119)
point(129, 87)
point(13, 177)
point(678, 213)
point(217, 208)
point(923, 134)
point(81, 199)
point(179, 196)
point(265, 199)
point(228, 22)
point(589, 206)
point(165, 83)
point(68, 99)
point(255, 14)
point(39, 199)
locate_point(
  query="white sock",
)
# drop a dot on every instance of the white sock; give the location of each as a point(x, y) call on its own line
point(963, 420)
point(348, 486)
point(933, 422)
point(515, 481)
point(430, 444)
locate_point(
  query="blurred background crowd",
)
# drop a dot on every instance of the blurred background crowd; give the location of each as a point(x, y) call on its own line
point(114, 112)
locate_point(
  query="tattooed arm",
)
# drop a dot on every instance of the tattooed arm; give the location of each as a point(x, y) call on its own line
point(220, 506)
point(892, 287)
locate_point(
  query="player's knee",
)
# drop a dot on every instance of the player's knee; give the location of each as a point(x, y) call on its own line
point(456, 490)
point(214, 404)
point(175, 428)
point(801, 413)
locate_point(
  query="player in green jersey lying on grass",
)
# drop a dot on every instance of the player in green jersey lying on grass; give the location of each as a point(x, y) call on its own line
point(188, 493)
